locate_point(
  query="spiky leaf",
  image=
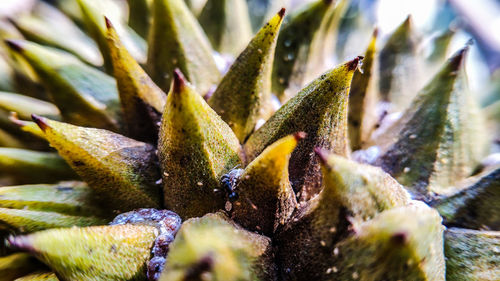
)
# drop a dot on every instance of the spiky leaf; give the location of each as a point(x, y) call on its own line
point(216, 246)
point(438, 141)
point(84, 95)
point(177, 41)
point(142, 101)
point(243, 96)
point(319, 110)
point(265, 195)
point(195, 149)
point(117, 252)
point(122, 171)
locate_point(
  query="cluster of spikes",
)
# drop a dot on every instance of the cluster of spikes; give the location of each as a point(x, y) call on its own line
point(169, 162)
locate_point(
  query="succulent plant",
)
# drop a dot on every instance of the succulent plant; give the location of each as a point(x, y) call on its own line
point(132, 150)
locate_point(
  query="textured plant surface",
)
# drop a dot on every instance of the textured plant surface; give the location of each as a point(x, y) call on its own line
point(219, 140)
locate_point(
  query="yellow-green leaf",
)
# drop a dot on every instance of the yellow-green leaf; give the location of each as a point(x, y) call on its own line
point(177, 41)
point(265, 195)
point(215, 246)
point(363, 99)
point(85, 96)
point(142, 101)
point(117, 252)
point(227, 25)
point(121, 171)
point(28, 166)
point(71, 198)
point(39, 276)
point(244, 94)
point(17, 265)
point(319, 110)
point(404, 243)
point(26, 221)
point(93, 12)
point(47, 25)
point(293, 50)
point(351, 190)
point(195, 149)
point(439, 139)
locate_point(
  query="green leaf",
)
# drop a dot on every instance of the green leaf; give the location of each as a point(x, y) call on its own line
point(47, 25)
point(24, 106)
point(118, 252)
point(471, 254)
point(294, 48)
point(475, 204)
point(363, 99)
point(439, 139)
point(319, 110)
point(93, 12)
point(244, 94)
point(27, 166)
point(215, 246)
point(177, 41)
point(265, 195)
point(121, 171)
point(142, 101)
point(440, 46)
point(399, 67)
point(140, 19)
point(84, 95)
point(195, 149)
point(227, 25)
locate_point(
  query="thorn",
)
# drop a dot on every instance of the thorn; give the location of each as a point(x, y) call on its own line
point(14, 45)
point(408, 21)
point(281, 13)
point(352, 65)
point(300, 136)
point(40, 122)
point(108, 22)
point(179, 81)
point(457, 59)
point(322, 154)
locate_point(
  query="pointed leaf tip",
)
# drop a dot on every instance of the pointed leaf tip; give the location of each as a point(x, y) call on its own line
point(352, 65)
point(281, 13)
point(179, 81)
point(40, 122)
point(458, 58)
point(108, 23)
point(14, 45)
point(408, 21)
